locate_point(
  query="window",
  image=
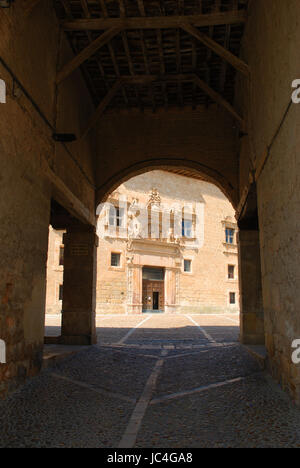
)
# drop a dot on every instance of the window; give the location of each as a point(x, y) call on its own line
point(187, 266)
point(115, 260)
point(229, 236)
point(231, 269)
point(61, 255)
point(232, 298)
point(187, 228)
point(60, 293)
point(116, 216)
point(153, 274)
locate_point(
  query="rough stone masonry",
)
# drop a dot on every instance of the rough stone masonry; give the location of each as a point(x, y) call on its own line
point(93, 99)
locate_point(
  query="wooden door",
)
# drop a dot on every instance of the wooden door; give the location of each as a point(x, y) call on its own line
point(149, 288)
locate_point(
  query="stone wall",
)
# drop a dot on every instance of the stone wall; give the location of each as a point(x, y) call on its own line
point(273, 146)
point(55, 272)
point(203, 140)
point(33, 169)
point(111, 292)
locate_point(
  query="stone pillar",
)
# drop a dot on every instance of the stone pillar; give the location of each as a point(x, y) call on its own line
point(251, 303)
point(135, 285)
point(79, 287)
point(170, 290)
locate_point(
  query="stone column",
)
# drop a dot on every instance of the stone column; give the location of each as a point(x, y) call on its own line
point(79, 287)
point(251, 303)
point(135, 285)
point(170, 290)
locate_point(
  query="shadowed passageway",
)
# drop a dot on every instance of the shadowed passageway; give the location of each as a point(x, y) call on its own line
point(153, 381)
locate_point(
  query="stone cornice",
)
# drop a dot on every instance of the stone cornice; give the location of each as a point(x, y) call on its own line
point(153, 247)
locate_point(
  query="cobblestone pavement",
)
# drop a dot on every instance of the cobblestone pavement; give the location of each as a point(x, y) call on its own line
point(153, 381)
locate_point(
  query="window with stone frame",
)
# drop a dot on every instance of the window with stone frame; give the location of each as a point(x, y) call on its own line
point(187, 266)
point(229, 235)
point(187, 228)
point(231, 271)
point(61, 255)
point(116, 216)
point(115, 259)
point(60, 292)
point(232, 298)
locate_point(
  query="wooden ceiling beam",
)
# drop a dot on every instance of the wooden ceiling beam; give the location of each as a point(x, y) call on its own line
point(87, 14)
point(147, 79)
point(141, 7)
point(86, 53)
point(102, 106)
point(67, 8)
point(29, 5)
point(220, 100)
point(145, 54)
point(127, 52)
point(237, 63)
point(156, 22)
point(234, 6)
point(144, 79)
point(112, 51)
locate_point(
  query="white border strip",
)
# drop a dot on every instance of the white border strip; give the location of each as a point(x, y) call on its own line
point(195, 390)
point(130, 435)
point(207, 335)
point(133, 330)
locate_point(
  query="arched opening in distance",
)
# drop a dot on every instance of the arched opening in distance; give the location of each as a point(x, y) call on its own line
point(186, 167)
point(154, 258)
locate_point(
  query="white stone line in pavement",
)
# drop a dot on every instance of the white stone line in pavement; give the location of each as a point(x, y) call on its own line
point(133, 330)
point(93, 389)
point(129, 438)
point(195, 390)
point(160, 347)
point(195, 353)
point(207, 335)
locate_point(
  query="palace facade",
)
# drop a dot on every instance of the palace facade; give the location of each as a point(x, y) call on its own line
point(168, 243)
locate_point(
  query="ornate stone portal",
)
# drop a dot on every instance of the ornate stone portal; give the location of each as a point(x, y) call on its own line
point(154, 254)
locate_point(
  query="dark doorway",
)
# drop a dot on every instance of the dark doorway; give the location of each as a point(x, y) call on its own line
point(155, 300)
point(153, 289)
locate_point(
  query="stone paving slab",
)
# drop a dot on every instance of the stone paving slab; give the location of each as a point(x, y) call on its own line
point(170, 386)
point(112, 329)
point(109, 370)
point(53, 354)
point(215, 365)
point(220, 328)
point(135, 351)
point(53, 325)
point(48, 412)
point(253, 413)
point(168, 329)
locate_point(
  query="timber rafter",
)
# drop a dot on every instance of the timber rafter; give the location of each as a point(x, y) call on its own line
point(155, 22)
point(156, 53)
point(162, 79)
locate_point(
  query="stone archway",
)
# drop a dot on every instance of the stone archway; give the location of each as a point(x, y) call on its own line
point(184, 167)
